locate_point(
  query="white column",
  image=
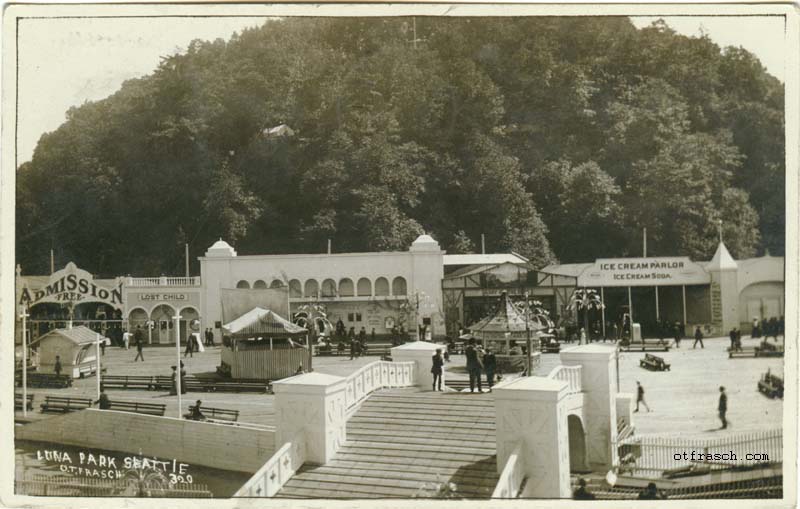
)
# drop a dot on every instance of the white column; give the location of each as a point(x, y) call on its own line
point(311, 408)
point(657, 315)
point(533, 410)
point(177, 319)
point(598, 376)
point(603, 311)
point(630, 306)
point(420, 352)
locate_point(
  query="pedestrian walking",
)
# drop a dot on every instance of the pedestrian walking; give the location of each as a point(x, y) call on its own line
point(183, 378)
point(723, 407)
point(490, 366)
point(189, 346)
point(139, 354)
point(57, 367)
point(732, 335)
point(352, 348)
point(437, 368)
point(698, 337)
point(473, 366)
point(138, 335)
point(676, 330)
point(755, 331)
point(640, 397)
point(738, 343)
point(126, 339)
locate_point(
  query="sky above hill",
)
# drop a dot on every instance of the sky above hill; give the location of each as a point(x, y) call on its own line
point(66, 62)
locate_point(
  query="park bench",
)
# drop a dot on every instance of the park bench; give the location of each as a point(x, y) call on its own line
point(215, 413)
point(138, 407)
point(46, 380)
point(654, 363)
point(126, 382)
point(18, 401)
point(551, 347)
point(766, 349)
point(85, 371)
point(771, 385)
point(61, 404)
point(644, 346)
point(741, 352)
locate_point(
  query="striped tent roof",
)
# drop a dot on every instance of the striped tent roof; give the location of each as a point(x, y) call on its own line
point(262, 321)
point(507, 318)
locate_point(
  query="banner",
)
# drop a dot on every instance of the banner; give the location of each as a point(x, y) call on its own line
point(644, 272)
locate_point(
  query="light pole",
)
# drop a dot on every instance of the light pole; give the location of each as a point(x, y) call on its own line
point(177, 319)
point(97, 354)
point(24, 317)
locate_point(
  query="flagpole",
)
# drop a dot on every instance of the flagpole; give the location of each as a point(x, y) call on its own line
point(24, 317)
point(177, 319)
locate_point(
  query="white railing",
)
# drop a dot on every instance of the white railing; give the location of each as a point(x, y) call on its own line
point(377, 375)
point(512, 477)
point(271, 477)
point(569, 374)
point(163, 281)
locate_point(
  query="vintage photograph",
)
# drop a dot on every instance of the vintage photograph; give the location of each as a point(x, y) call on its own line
point(380, 253)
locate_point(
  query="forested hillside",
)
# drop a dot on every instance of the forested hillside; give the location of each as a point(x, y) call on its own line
point(559, 138)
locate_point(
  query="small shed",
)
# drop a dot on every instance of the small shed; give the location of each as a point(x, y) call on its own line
point(76, 347)
point(507, 327)
point(263, 345)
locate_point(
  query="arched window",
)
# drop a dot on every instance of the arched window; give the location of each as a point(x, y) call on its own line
point(364, 287)
point(295, 289)
point(399, 286)
point(277, 283)
point(346, 287)
point(381, 287)
point(329, 288)
point(259, 285)
point(311, 288)
point(243, 284)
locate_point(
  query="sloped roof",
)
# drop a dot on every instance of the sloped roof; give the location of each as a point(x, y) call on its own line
point(722, 260)
point(79, 335)
point(507, 318)
point(482, 259)
point(262, 321)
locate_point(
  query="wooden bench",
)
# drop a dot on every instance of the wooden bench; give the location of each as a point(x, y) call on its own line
point(644, 346)
point(127, 382)
point(654, 363)
point(18, 401)
point(60, 404)
point(766, 349)
point(771, 385)
point(208, 384)
point(46, 380)
point(215, 413)
point(138, 407)
point(741, 352)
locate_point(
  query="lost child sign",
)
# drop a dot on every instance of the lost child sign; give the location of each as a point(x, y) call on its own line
point(644, 272)
point(71, 284)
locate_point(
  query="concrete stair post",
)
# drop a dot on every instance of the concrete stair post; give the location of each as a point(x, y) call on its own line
point(420, 352)
point(533, 409)
point(598, 381)
point(311, 407)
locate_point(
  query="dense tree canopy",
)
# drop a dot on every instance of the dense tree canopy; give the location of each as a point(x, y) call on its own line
point(558, 138)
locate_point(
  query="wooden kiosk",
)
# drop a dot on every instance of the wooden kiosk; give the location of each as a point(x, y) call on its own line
point(261, 345)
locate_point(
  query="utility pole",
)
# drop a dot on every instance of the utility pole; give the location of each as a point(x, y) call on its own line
point(644, 241)
point(719, 227)
point(177, 319)
point(483, 243)
point(187, 259)
point(24, 318)
point(52, 261)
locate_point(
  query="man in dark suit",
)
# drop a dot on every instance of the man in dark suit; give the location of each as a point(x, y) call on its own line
point(723, 407)
point(490, 366)
point(473, 366)
point(698, 337)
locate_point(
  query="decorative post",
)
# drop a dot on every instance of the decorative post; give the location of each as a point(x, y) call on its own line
point(177, 319)
point(24, 317)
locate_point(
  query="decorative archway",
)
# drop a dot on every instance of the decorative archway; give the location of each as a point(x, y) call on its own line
point(578, 454)
point(381, 287)
point(243, 285)
point(163, 324)
point(311, 288)
point(277, 283)
point(364, 288)
point(329, 288)
point(346, 287)
point(399, 286)
point(295, 289)
point(260, 285)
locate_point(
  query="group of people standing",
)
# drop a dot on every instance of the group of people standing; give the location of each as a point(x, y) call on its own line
point(767, 328)
point(478, 362)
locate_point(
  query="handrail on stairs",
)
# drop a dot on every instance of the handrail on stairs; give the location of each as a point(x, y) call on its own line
point(271, 477)
point(513, 476)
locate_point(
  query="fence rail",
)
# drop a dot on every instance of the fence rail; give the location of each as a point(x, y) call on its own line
point(162, 281)
point(569, 374)
point(512, 477)
point(271, 477)
point(45, 485)
point(377, 375)
point(652, 456)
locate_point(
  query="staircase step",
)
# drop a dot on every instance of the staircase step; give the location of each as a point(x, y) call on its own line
point(422, 418)
point(351, 486)
point(427, 449)
point(481, 441)
point(427, 424)
point(478, 476)
point(399, 429)
point(360, 460)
